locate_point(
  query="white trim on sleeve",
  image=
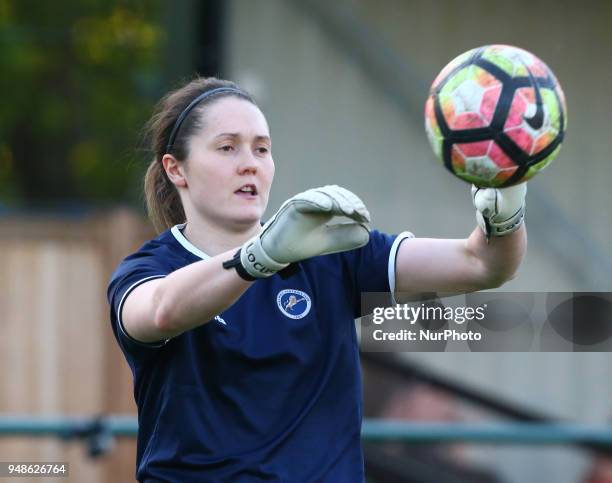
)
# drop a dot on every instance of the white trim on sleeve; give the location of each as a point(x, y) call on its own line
point(187, 245)
point(120, 307)
point(393, 258)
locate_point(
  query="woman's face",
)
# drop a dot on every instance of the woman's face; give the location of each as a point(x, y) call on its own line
point(229, 169)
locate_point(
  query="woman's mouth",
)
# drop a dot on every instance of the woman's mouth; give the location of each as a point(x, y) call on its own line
point(247, 191)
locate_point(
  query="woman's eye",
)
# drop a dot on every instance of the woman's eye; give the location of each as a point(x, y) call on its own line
point(227, 148)
point(262, 150)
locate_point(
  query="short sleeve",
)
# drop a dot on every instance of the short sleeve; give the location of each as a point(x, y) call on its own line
point(373, 265)
point(131, 273)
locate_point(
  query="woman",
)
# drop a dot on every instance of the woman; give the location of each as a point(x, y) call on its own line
point(242, 373)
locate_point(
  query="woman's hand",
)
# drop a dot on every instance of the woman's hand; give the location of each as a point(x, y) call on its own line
point(299, 230)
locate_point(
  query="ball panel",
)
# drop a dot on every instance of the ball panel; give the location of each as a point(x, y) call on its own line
point(538, 68)
point(518, 108)
point(457, 161)
point(551, 109)
point(446, 93)
point(448, 110)
point(529, 96)
point(495, 55)
point(458, 165)
point(489, 102)
point(544, 140)
point(435, 140)
point(482, 168)
point(536, 168)
point(434, 134)
point(485, 79)
point(523, 107)
point(502, 177)
point(466, 120)
point(461, 100)
point(430, 114)
point(522, 138)
point(521, 60)
point(468, 178)
point(500, 158)
point(562, 104)
point(467, 97)
point(453, 64)
point(520, 70)
point(480, 148)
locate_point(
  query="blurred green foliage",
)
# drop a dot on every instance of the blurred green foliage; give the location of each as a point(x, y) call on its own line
point(78, 79)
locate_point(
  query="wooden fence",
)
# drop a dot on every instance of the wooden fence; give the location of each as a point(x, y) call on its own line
point(58, 355)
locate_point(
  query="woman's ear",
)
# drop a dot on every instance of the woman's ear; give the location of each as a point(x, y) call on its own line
point(174, 170)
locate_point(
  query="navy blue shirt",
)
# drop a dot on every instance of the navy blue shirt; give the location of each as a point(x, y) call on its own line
point(270, 389)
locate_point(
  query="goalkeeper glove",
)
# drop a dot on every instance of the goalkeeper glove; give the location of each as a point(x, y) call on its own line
point(499, 211)
point(299, 230)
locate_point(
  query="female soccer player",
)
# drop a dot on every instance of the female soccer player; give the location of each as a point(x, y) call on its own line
point(241, 337)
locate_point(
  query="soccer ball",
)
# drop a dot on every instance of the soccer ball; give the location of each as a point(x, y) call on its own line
point(496, 116)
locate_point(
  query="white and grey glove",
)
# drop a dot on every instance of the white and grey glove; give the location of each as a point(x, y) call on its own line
point(499, 211)
point(299, 230)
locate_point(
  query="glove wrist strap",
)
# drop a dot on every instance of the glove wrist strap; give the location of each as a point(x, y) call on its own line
point(502, 228)
point(235, 263)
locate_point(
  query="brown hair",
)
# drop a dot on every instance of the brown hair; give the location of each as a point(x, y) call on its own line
point(162, 198)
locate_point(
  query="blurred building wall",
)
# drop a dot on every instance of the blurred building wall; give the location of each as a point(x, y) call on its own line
point(332, 123)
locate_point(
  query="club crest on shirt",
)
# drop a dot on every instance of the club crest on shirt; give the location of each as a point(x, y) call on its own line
point(295, 304)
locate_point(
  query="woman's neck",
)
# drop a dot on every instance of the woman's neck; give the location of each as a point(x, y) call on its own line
point(213, 239)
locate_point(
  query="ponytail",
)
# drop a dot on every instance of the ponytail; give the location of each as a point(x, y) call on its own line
point(164, 205)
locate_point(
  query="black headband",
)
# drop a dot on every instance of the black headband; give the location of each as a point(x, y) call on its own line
point(192, 104)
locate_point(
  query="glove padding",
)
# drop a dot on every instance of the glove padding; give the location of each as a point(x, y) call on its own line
point(299, 230)
point(499, 211)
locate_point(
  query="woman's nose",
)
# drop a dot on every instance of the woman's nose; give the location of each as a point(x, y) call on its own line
point(248, 164)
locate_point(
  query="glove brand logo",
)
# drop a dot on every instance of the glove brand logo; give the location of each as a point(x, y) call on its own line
point(295, 304)
point(258, 266)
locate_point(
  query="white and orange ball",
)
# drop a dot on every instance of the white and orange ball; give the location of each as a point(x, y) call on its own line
point(496, 116)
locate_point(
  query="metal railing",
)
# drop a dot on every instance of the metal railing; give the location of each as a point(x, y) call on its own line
point(373, 430)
